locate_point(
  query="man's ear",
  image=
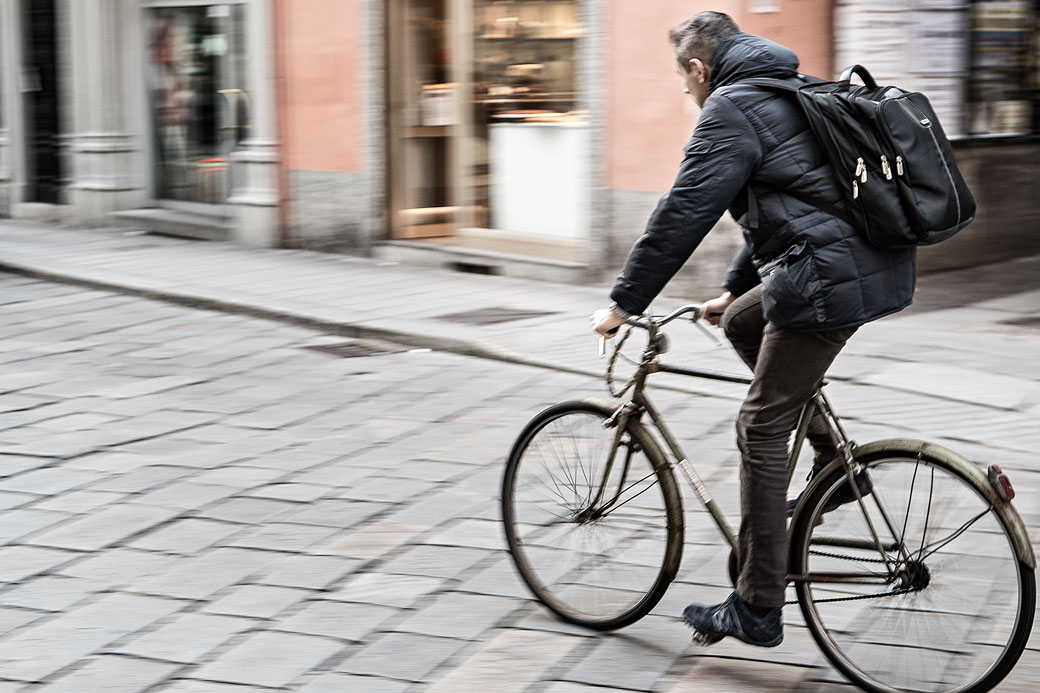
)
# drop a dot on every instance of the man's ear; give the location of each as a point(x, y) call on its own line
point(701, 70)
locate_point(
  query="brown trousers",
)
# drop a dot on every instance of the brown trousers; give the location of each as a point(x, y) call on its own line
point(789, 367)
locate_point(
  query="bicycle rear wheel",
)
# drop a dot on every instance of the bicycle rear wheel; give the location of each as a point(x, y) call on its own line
point(599, 562)
point(956, 610)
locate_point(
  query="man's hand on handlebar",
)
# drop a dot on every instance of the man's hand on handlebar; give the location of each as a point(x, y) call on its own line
point(605, 322)
point(714, 308)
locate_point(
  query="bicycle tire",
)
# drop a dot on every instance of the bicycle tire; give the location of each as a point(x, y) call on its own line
point(961, 581)
point(647, 535)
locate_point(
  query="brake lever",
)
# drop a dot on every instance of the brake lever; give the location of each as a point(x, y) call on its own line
point(707, 332)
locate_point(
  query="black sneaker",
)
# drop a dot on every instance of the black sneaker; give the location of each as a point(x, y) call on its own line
point(840, 497)
point(733, 617)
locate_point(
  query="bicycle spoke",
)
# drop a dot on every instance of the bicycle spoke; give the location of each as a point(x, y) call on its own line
point(615, 506)
point(955, 582)
point(928, 513)
point(590, 568)
point(960, 530)
point(909, 503)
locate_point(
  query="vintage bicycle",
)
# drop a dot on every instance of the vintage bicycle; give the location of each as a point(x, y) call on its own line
point(925, 582)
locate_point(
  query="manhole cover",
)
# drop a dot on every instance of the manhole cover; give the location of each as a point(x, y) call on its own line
point(490, 316)
point(1028, 321)
point(352, 350)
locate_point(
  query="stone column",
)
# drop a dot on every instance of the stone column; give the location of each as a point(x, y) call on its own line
point(11, 148)
point(255, 196)
point(104, 152)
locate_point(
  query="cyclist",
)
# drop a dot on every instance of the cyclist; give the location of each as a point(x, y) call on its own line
point(800, 286)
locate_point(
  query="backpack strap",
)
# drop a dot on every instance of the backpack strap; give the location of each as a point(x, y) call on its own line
point(827, 207)
point(771, 83)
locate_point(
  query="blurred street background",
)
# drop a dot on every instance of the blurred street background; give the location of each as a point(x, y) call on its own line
point(281, 280)
point(529, 138)
point(227, 469)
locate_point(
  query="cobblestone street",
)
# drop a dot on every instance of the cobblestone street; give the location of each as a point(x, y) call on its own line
point(200, 502)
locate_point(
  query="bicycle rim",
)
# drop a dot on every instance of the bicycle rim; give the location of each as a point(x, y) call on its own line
point(607, 571)
point(959, 614)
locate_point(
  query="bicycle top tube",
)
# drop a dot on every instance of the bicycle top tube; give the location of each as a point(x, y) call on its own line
point(653, 324)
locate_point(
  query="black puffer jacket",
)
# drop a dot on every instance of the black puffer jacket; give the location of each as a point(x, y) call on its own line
point(754, 154)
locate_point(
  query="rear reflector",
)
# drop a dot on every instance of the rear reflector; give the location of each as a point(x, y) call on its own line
point(1000, 482)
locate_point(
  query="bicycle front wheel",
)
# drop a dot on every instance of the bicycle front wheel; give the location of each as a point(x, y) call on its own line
point(597, 538)
point(947, 606)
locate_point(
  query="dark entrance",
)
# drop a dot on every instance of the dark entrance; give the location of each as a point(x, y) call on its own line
point(42, 102)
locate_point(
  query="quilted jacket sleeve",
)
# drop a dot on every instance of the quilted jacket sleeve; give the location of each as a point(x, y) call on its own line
point(718, 161)
point(742, 275)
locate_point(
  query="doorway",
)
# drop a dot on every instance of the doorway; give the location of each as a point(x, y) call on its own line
point(42, 103)
point(488, 144)
point(423, 119)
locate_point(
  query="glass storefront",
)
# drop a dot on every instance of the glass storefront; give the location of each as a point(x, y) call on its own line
point(1004, 89)
point(529, 134)
point(485, 128)
point(198, 98)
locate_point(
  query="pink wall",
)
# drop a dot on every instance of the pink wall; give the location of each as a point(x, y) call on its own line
point(649, 117)
point(319, 87)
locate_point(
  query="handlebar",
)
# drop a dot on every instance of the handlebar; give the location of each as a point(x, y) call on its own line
point(647, 321)
point(653, 323)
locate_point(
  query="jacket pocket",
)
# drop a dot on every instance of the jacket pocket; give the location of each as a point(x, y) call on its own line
point(792, 295)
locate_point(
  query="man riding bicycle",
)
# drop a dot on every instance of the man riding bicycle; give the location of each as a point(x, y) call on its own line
point(798, 289)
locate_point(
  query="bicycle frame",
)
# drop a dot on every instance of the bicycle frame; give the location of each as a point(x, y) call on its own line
point(639, 403)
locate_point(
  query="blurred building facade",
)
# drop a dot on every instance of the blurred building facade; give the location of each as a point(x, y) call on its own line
point(141, 112)
point(504, 136)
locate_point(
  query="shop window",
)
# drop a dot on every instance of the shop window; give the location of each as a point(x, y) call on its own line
point(531, 141)
point(198, 99)
point(1004, 79)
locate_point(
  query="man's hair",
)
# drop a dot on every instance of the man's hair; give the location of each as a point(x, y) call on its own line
point(700, 37)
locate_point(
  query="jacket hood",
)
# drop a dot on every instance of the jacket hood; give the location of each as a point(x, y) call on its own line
point(744, 56)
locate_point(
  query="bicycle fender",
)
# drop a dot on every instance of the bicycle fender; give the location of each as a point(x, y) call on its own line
point(971, 470)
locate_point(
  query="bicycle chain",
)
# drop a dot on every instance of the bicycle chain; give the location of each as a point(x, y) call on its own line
point(857, 559)
point(857, 597)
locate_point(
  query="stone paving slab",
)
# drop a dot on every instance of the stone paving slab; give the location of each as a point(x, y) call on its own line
point(270, 659)
point(291, 550)
point(187, 638)
point(383, 657)
point(113, 674)
point(32, 655)
point(508, 661)
point(105, 528)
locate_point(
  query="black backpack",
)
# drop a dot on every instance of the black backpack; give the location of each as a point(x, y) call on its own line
point(893, 161)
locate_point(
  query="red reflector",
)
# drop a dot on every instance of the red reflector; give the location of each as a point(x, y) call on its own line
point(1000, 482)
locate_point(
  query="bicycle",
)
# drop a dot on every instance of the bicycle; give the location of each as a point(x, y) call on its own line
point(924, 582)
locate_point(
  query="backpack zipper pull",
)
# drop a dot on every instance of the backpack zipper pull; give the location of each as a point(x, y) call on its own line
point(885, 168)
point(899, 165)
point(855, 189)
point(861, 170)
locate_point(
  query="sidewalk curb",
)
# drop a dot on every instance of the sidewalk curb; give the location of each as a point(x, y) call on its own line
point(343, 329)
point(472, 347)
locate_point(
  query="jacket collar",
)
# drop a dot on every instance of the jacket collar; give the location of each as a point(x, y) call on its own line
point(744, 56)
